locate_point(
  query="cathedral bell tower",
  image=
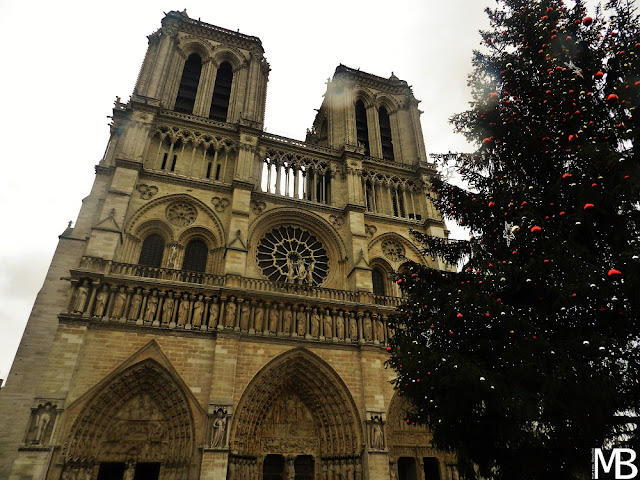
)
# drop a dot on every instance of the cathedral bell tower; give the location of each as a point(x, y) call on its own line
point(220, 307)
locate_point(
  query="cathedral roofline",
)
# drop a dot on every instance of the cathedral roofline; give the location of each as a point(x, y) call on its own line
point(343, 70)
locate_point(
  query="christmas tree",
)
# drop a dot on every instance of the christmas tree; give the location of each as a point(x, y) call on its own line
point(526, 356)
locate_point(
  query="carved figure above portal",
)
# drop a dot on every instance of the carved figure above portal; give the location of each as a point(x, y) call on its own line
point(293, 255)
point(181, 214)
point(42, 422)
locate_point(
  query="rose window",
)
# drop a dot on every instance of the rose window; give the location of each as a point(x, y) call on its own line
point(293, 255)
point(181, 214)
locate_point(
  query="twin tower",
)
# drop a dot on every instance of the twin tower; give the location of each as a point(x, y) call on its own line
point(220, 308)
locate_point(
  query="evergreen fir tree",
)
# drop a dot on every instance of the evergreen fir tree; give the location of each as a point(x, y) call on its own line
point(527, 357)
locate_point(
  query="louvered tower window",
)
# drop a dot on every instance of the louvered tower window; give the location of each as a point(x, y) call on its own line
point(221, 93)
point(362, 131)
point(152, 250)
point(186, 98)
point(385, 134)
point(195, 256)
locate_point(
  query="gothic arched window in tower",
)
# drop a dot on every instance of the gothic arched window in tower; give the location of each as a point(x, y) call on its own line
point(221, 93)
point(186, 98)
point(195, 256)
point(291, 254)
point(152, 250)
point(377, 278)
point(385, 134)
point(362, 130)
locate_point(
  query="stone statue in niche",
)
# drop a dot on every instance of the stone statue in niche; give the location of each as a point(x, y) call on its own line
point(152, 307)
point(273, 318)
point(379, 330)
point(136, 302)
point(101, 301)
point(367, 328)
point(198, 308)
point(81, 297)
point(376, 437)
point(230, 316)
point(315, 323)
point(214, 310)
point(43, 419)
point(287, 319)
point(183, 310)
point(353, 326)
point(258, 317)
point(245, 309)
point(340, 326)
point(167, 308)
point(328, 324)
point(118, 303)
point(219, 428)
point(301, 321)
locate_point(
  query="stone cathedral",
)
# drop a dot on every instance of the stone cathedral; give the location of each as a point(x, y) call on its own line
point(219, 309)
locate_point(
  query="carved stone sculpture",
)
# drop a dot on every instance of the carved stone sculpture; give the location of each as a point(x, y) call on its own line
point(183, 310)
point(315, 323)
point(245, 310)
point(273, 318)
point(167, 309)
point(340, 326)
point(367, 328)
point(376, 437)
point(328, 324)
point(44, 416)
point(287, 319)
point(136, 302)
point(101, 301)
point(301, 321)
point(198, 309)
point(118, 303)
point(214, 310)
point(152, 307)
point(230, 315)
point(219, 429)
point(81, 297)
point(258, 318)
point(353, 326)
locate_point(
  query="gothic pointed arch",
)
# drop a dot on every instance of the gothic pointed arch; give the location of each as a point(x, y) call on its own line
point(141, 412)
point(297, 404)
point(395, 249)
point(155, 210)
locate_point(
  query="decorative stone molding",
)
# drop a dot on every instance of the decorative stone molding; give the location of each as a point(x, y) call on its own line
point(370, 230)
point(393, 250)
point(257, 207)
point(181, 214)
point(220, 203)
point(147, 191)
point(337, 221)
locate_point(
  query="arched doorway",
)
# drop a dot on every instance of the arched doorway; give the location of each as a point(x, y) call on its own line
point(296, 419)
point(139, 425)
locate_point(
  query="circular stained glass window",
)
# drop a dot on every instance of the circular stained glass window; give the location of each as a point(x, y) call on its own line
point(293, 255)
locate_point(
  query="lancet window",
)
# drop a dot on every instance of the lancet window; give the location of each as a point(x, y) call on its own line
point(389, 196)
point(152, 251)
point(195, 256)
point(385, 134)
point(297, 178)
point(189, 84)
point(221, 93)
point(362, 129)
point(377, 278)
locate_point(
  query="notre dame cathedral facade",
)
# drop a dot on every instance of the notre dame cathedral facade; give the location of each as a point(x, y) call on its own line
point(219, 309)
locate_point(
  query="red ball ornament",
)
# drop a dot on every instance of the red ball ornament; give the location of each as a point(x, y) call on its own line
point(486, 140)
point(492, 204)
point(612, 98)
point(587, 21)
point(614, 273)
point(493, 96)
point(388, 349)
point(566, 175)
point(588, 206)
point(573, 138)
point(598, 75)
point(535, 229)
point(399, 281)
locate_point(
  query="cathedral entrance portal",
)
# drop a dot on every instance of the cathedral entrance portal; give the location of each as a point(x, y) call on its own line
point(296, 420)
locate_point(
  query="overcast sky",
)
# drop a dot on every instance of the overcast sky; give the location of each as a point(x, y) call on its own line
point(64, 63)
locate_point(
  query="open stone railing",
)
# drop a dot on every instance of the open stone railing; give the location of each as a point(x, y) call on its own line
point(160, 297)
